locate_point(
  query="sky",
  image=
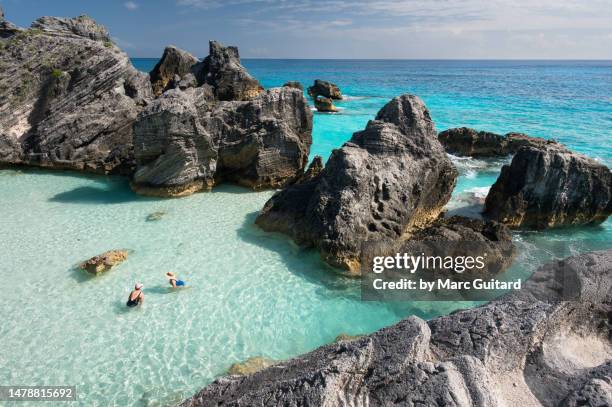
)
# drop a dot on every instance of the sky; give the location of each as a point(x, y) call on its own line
point(385, 29)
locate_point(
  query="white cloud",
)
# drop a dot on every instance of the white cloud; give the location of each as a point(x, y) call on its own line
point(130, 5)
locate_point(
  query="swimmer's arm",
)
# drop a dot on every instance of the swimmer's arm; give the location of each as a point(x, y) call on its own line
point(173, 282)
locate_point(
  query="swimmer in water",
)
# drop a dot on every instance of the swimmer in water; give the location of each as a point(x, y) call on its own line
point(136, 296)
point(174, 281)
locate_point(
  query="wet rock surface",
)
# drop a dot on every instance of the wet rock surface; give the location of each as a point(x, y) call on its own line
point(104, 262)
point(550, 186)
point(69, 97)
point(387, 179)
point(464, 141)
point(324, 104)
point(171, 68)
point(325, 89)
point(496, 354)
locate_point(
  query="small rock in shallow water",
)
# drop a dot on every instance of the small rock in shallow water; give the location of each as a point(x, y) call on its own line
point(104, 262)
point(251, 365)
point(324, 104)
point(325, 89)
point(152, 217)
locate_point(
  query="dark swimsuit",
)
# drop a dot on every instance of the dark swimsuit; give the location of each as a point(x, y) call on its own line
point(133, 302)
point(179, 283)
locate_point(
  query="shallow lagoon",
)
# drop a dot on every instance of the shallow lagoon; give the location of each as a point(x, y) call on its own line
point(252, 293)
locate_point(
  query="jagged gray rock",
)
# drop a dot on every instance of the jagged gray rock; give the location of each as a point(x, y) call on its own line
point(173, 62)
point(388, 178)
point(294, 84)
point(529, 348)
point(464, 141)
point(550, 186)
point(188, 141)
point(7, 29)
point(69, 97)
point(222, 70)
point(325, 89)
point(324, 104)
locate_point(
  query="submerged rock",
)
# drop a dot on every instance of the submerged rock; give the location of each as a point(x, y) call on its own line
point(222, 70)
point(155, 216)
point(174, 62)
point(294, 84)
point(250, 366)
point(68, 97)
point(550, 186)
point(527, 348)
point(105, 261)
point(325, 89)
point(187, 141)
point(387, 179)
point(464, 141)
point(324, 104)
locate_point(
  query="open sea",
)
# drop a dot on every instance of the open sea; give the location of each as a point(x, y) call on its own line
point(252, 293)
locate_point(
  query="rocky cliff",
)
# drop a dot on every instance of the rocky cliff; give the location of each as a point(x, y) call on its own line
point(387, 179)
point(69, 97)
point(550, 186)
point(545, 345)
point(464, 141)
point(174, 65)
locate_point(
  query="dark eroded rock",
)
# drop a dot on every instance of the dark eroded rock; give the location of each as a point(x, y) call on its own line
point(105, 261)
point(387, 179)
point(68, 97)
point(518, 350)
point(550, 186)
point(173, 62)
point(464, 141)
point(222, 70)
point(324, 104)
point(187, 141)
point(325, 89)
point(294, 84)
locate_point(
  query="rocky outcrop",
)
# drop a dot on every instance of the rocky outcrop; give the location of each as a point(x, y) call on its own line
point(294, 84)
point(324, 104)
point(7, 29)
point(547, 344)
point(222, 70)
point(464, 141)
point(250, 366)
point(550, 186)
point(105, 261)
point(69, 97)
point(171, 68)
point(187, 141)
point(387, 179)
point(325, 89)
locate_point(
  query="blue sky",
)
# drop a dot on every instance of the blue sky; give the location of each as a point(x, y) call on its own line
point(519, 29)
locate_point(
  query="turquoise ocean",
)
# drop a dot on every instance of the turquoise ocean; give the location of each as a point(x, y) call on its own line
point(252, 293)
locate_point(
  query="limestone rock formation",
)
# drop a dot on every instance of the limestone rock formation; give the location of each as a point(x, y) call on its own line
point(250, 366)
point(294, 84)
point(105, 261)
point(68, 97)
point(464, 141)
point(7, 29)
point(387, 179)
point(325, 89)
point(174, 62)
point(187, 141)
point(324, 104)
point(222, 70)
point(550, 186)
point(528, 348)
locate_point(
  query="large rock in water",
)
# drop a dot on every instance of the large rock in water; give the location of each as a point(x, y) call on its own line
point(174, 63)
point(325, 89)
point(464, 141)
point(550, 186)
point(187, 141)
point(68, 97)
point(527, 348)
point(222, 70)
point(387, 179)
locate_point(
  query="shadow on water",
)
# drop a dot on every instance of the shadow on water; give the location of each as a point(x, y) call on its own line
point(113, 192)
point(306, 263)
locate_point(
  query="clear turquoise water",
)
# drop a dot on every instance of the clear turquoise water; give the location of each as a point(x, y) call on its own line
point(252, 294)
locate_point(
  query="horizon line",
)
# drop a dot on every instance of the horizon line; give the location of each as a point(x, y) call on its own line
point(416, 59)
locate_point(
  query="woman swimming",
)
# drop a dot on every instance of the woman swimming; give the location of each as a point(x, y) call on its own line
point(174, 282)
point(136, 296)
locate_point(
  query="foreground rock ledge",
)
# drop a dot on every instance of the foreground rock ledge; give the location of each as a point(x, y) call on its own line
point(525, 349)
point(550, 186)
point(385, 180)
